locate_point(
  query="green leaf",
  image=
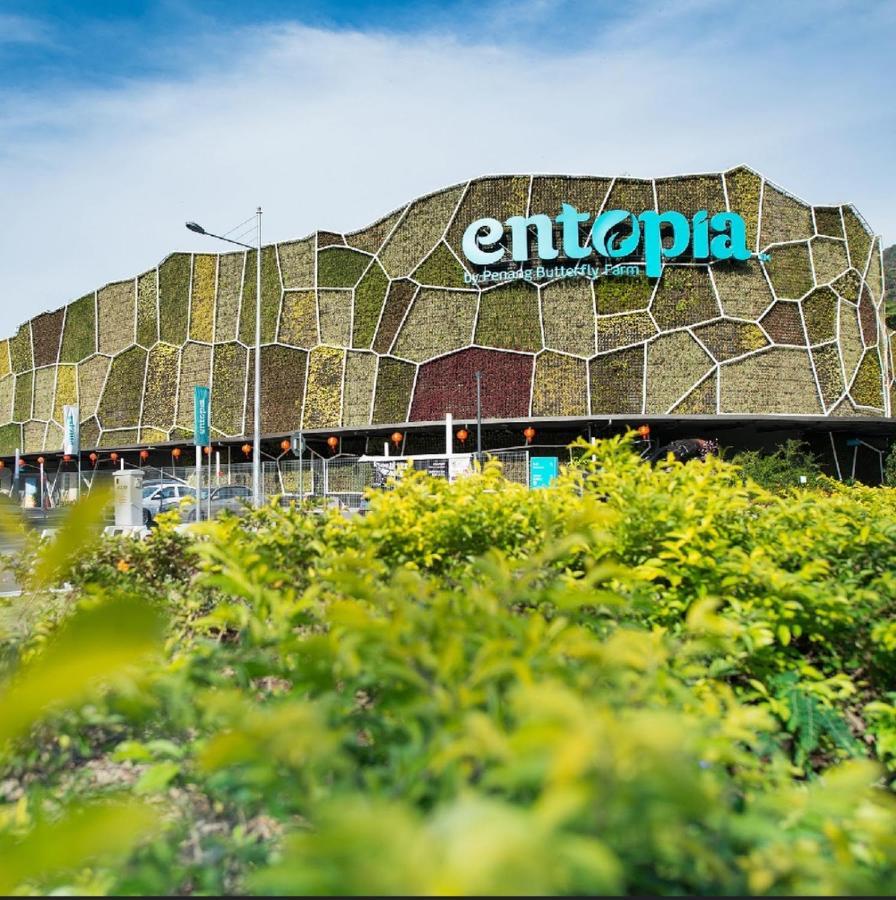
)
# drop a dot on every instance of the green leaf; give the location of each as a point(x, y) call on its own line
point(157, 777)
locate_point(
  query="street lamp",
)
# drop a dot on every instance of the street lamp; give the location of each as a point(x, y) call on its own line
point(256, 438)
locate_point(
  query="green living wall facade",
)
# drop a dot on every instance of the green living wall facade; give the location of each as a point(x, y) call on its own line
point(380, 327)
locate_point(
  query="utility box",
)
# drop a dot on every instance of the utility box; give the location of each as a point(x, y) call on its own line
point(129, 498)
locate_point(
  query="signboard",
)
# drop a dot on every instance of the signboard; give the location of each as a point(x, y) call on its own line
point(384, 469)
point(460, 464)
point(436, 467)
point(543, 470)
point(201, 431)
point(71, 430)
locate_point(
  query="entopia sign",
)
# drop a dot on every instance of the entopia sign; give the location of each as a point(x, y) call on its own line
point(614, 235)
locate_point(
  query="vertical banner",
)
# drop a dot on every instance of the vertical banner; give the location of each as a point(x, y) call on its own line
point(201, 430)
point(71, 430)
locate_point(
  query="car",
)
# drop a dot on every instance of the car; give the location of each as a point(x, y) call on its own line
point(232, 497)
point(161, 496)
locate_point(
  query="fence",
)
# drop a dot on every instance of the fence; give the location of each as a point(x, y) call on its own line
point(344, 478)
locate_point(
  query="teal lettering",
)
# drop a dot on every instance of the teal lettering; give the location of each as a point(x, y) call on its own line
point(654, 251)
point(570, 218)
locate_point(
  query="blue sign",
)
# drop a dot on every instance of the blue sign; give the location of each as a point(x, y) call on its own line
point(201, 402)
point(543, 470)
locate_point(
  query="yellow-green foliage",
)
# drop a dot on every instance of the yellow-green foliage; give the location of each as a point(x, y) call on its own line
point(202, 297)
point(509, 318)
point(643, 680)
point(323, 395)
point(369, 297)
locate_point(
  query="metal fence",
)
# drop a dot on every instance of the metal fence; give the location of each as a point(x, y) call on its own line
point(343, 478)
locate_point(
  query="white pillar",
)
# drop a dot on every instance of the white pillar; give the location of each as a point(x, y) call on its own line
point(449, 434)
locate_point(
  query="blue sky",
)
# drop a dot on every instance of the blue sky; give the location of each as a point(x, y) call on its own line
point(119, 120)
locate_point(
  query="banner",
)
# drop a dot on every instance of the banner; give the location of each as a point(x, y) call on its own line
point(542, 470)
point(71, 430)
point(201, 430)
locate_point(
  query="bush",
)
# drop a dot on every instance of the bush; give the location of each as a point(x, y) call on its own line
point(782, 468)
point(655, 680)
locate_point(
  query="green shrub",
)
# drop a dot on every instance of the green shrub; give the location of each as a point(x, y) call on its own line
point(783, 467)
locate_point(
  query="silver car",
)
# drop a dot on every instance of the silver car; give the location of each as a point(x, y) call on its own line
point(160, 496)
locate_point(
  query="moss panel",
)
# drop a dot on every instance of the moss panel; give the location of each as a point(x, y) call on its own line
point(46, 331)
point(161, 387)
point(90, 434)
point(875, 276)
point(398, 299)
point(7, 396)
point(24, 392)
point(848, 286)
point(744, 188)
point(330, 239)
point(33, 434)
point(790, 271)
point(323, 394)
point(10, 439)
point(784, 218)
point(700, 401)
point(370, 239)
point(147, 308)
point(690, 193)
point(560, 386)
point(229, 388)
point(783, 323)
point(340, 267)
point(675, 364)
point(820, 313)
point(615, 294)
point(116, 316)
point(439, 321)
point(195, 371)
point(549, 192)
point(20, 349)
point(335, 310)
point(830, 373)
point(867, 388)
point(281, 410)
point(66, 390)
point(360, 373)
point(851, 344)
point(828, 258)
point(567, 307)
point(297, 263)
point(858, 238)
point(828, 221)
point(53, 440)
point(153, 436)
point(298, 321)
point(394, 383)
point(777, 380)
point(509, 317)
point(499, 198)
point(619, 331)
point(202, 297)
point(617, 382)
point(727, 339)
point(125, 437)
point(742, 288)
point(440, 269)
point(227, 301)
point(369, 297)
point(119, 407)
point(633, 194)
point(868, 318)
point(91, 378)
point(684, 296)
point(5, 367)
point(44, 390)
point(448, 384)
point(174, 298)
point(79, 335)
point(270, 297)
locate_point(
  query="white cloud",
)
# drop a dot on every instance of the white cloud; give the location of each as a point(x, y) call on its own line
point(332, 130)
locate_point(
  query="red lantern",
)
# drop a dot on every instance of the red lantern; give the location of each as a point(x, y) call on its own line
point(462, 435)
point(644, 432)
point(93, 458)
point(528, 433)
point(247, 449)
point(40, 460)
point(2, 464)
point(176, 452)
point(285, 445)
point(207, 451)
point(66, 457)
point(332, 442)
point(144, 455)
point(113, 456)
point(396, 438)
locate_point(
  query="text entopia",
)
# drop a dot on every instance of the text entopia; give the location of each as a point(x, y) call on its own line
point(388, 325)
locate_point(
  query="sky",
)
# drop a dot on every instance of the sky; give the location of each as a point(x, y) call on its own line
point(120, 121)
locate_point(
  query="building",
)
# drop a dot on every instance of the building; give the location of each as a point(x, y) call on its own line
point(383, 330)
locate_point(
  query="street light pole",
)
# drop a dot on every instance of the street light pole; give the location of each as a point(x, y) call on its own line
point(256, 437)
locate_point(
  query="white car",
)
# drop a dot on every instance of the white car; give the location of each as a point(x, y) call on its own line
point(162, 496)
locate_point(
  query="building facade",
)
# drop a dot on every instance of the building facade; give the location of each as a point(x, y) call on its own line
point(388, 325)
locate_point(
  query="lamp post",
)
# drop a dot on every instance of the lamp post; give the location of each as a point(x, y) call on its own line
point(256, 437)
